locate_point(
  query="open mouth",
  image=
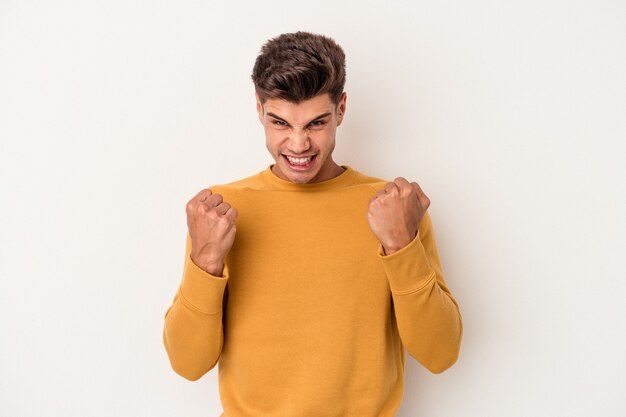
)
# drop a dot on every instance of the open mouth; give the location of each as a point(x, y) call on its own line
point(300, 163)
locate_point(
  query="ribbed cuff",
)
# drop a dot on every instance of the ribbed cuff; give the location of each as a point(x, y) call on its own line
point(202, 291)
point(407, 269)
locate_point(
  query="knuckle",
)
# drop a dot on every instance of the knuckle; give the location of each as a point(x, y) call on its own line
point(402, 182)
point(214, 199)
point(207, 212)
point(201, 196)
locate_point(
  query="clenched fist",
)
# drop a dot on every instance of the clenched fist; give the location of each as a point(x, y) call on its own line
point(212, 227)
point(394, 214)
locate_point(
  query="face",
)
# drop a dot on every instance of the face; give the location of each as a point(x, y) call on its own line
point(301, 137)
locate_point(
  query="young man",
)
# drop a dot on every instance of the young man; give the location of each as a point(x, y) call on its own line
point(308, 279)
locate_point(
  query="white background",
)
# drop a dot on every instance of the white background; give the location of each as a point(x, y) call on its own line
point(509, 114)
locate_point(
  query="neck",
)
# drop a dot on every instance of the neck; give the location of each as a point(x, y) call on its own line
point(333, 171)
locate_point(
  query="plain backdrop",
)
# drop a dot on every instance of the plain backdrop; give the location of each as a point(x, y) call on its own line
point(509, 114)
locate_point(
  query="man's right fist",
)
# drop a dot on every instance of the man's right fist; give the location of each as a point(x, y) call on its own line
point(212, 226)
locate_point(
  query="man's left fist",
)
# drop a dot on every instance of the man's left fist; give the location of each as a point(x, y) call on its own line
point(394, 213)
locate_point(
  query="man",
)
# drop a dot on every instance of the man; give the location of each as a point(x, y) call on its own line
point(308, 279)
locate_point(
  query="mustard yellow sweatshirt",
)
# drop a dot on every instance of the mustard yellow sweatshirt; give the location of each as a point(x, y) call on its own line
point(310, 318)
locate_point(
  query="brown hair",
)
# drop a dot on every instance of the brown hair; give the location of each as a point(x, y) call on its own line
point(298, 66)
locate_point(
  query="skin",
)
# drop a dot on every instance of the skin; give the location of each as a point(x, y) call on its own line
point(212, 227)
point(394, 213)
point(278, 115)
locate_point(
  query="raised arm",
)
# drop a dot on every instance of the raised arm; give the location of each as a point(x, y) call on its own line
point(193, 330)
point(428, 317)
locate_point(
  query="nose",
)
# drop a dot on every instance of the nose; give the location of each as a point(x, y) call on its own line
point(299, 141)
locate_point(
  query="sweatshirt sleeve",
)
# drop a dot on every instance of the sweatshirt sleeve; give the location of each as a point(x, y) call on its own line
point(193, 333)
point(428, 317)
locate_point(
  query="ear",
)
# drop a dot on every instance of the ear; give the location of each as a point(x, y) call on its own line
point(341, 108)
point(259, 107)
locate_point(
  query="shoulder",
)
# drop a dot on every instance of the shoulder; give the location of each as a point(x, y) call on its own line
point(373, 182)
point(234, 188)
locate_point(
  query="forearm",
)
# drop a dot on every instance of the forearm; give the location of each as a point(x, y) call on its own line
point(193, 333)
point(193, 340)
point(430, 325)
point(428, 317)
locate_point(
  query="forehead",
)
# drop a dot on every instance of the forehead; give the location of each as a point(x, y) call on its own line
point(301, 112)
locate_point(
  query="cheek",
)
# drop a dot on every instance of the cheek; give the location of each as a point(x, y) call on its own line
point(273, 148)
point(328, 142)
point(272, 142)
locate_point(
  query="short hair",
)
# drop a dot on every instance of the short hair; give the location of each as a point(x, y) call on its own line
point(299, 66)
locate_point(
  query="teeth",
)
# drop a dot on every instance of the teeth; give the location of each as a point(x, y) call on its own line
point(301, 161)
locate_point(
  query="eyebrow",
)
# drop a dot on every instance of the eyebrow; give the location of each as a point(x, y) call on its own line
point(275, 116)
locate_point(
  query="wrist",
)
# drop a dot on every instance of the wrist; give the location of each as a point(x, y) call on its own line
point(388, 250)
point(213, 267)
point(393, 247)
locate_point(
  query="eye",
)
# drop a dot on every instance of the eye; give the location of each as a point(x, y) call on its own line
point(279, 123)
point(317, 123)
